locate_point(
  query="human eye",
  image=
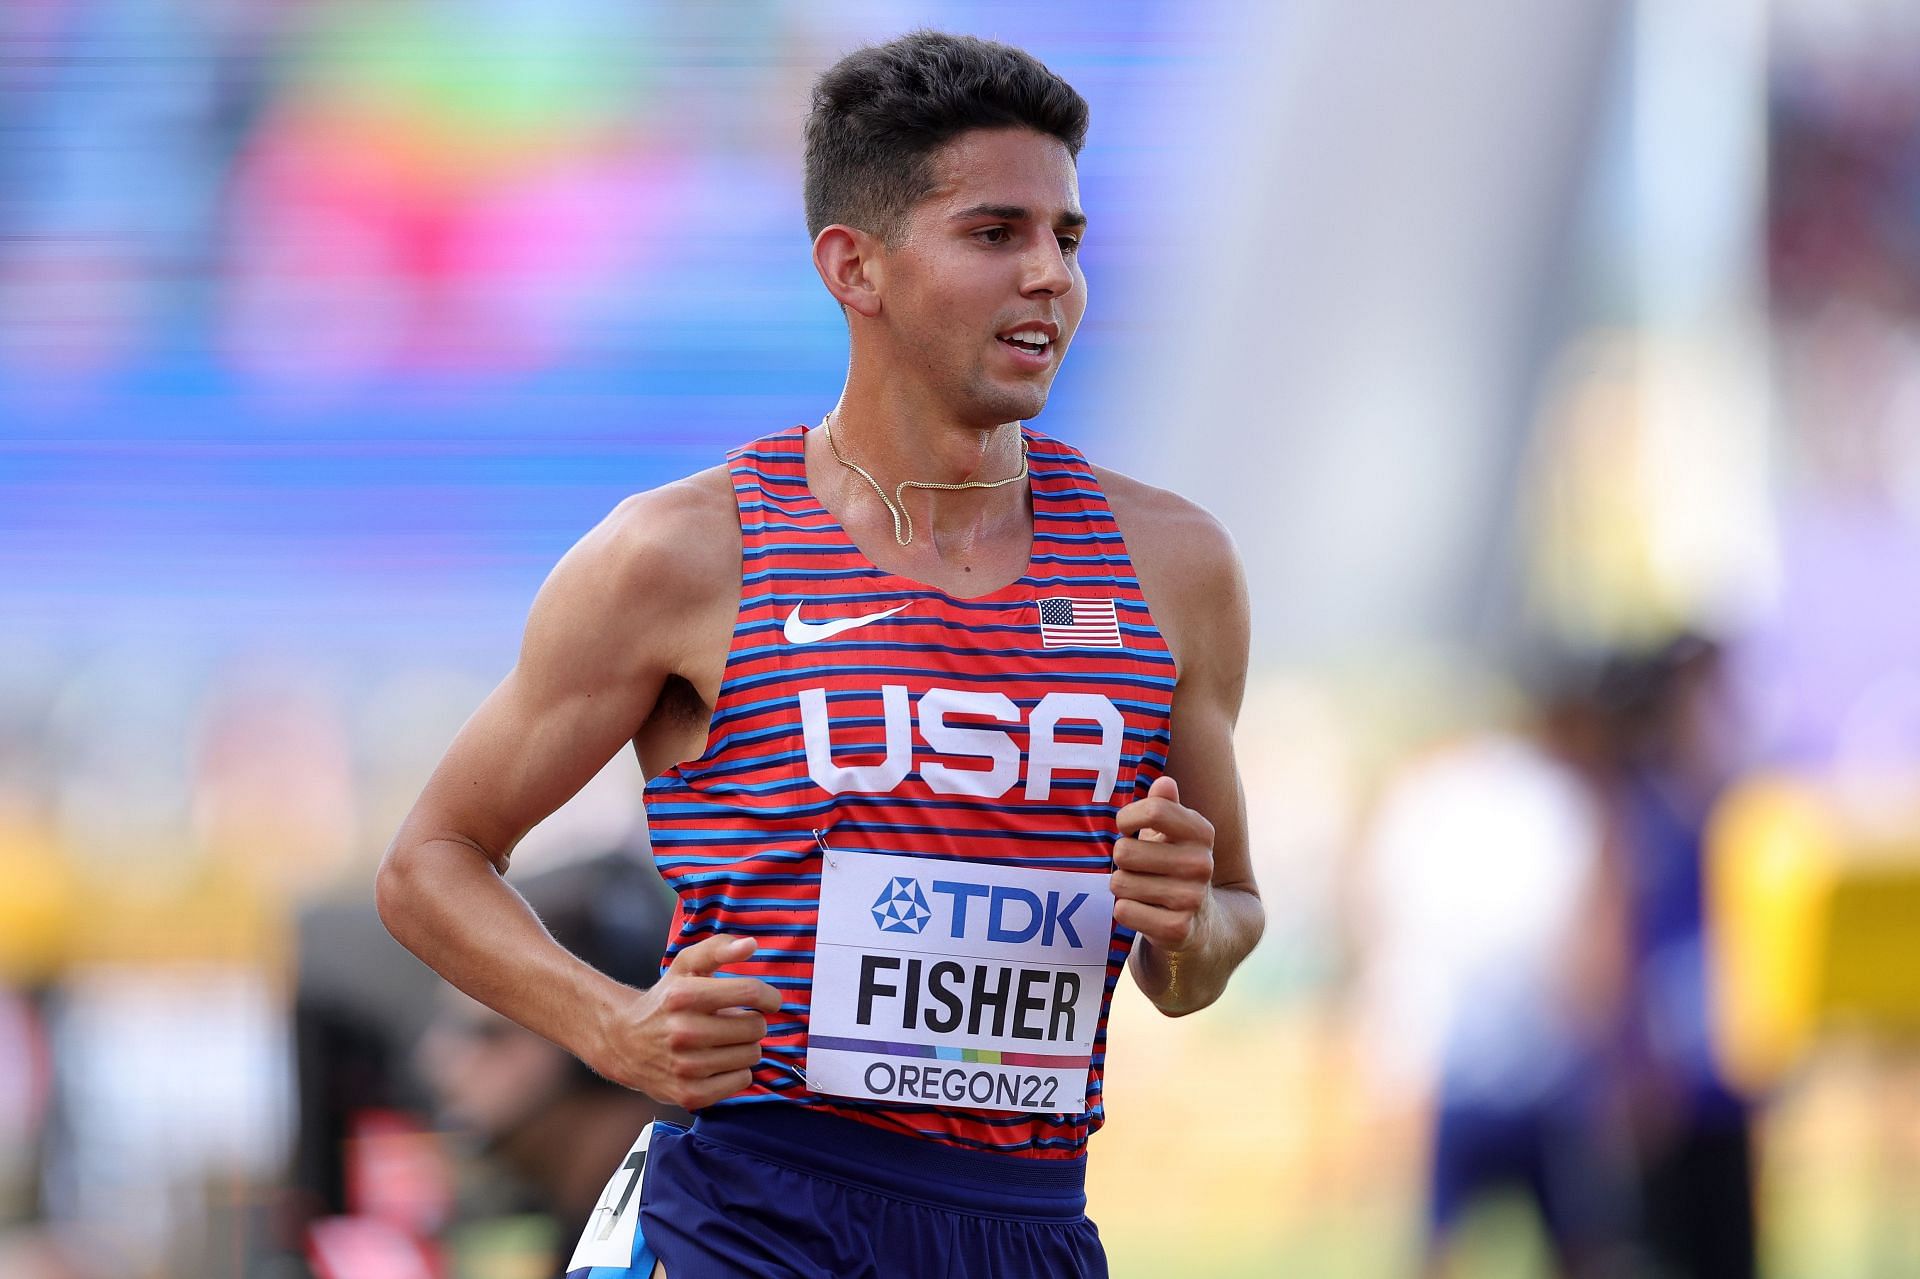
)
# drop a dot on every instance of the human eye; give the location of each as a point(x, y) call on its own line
point(1069, 243)
point(993, 234)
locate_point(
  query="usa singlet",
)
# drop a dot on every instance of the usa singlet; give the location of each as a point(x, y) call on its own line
point(908, 800)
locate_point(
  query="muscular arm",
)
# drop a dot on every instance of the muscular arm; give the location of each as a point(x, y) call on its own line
point(620, 614)
point(1183, 857)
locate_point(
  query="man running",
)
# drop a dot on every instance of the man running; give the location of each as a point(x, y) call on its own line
point(936, 719)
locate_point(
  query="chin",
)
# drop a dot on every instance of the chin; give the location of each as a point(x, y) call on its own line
point(1003, 404)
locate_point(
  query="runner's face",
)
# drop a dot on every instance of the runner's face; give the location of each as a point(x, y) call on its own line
point(992, 253)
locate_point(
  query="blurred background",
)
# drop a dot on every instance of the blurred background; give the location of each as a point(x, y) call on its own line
point(1557, 368)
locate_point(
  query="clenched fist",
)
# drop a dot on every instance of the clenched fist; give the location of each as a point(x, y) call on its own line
point(1163, 867)
point(694, 1038)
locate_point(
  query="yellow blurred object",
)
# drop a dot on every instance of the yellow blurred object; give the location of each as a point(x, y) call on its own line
point(54, 915)
point(217, 914)
point(1814, 920)
point(38, 897)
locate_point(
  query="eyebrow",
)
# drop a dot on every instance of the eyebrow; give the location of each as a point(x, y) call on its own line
point(1017, 213)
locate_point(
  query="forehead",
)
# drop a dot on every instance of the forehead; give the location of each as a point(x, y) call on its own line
point(1006, 167)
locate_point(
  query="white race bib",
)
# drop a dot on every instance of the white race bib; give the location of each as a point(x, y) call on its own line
point(608, 1238)
point(961, 984)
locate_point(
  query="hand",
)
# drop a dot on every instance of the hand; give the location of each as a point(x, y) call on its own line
point(1164, 862)
point(694, 1038)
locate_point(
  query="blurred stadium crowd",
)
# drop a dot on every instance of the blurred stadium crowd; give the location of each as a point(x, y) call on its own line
point(326, 325)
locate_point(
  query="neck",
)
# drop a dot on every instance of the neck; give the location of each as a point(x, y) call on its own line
point(910, 450)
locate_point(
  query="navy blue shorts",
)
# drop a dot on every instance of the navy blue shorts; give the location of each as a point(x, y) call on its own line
point(755, 1192)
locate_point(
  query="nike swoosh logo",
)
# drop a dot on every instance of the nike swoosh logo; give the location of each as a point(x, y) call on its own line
point(799, 632)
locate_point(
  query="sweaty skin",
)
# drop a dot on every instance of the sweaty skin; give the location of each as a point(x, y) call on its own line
point(627, 640)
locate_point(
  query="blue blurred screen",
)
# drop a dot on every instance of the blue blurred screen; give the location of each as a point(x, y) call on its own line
point(327, 314)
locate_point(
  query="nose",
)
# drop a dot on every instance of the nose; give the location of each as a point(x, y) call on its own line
point(1048, 274)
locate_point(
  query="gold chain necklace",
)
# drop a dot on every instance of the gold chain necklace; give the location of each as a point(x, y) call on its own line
point(897, 507)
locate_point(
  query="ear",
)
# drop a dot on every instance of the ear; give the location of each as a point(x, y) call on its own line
point(851, 266)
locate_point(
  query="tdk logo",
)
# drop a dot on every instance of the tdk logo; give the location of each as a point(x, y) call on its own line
point(901, 907)
point(1001, 913)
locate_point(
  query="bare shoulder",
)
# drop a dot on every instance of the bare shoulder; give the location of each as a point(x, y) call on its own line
point(682, 536)
point(656, 572)
point(1189, 570)
point(1160, 524)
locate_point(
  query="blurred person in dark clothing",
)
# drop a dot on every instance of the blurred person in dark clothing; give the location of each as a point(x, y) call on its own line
point(1670, 745)
point(543, 1126)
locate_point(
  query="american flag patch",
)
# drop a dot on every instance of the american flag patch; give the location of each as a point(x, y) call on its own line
point(1069, 623)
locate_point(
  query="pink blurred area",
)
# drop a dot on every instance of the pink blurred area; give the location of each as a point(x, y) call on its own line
point(425, 249)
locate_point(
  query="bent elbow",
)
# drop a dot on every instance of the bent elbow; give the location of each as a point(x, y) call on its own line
point(392, 890)
point(418, 877)
point(401, 885)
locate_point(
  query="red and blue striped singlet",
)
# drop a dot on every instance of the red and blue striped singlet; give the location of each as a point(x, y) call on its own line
point(738, 832)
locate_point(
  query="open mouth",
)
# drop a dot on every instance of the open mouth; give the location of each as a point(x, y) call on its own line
point(1035, 342)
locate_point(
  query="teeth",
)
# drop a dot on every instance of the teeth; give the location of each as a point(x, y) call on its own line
point(1032, 337)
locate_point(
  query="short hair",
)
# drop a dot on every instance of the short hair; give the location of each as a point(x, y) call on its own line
point(881, 112)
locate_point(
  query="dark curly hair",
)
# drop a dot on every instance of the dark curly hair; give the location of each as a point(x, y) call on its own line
point(881, 112)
